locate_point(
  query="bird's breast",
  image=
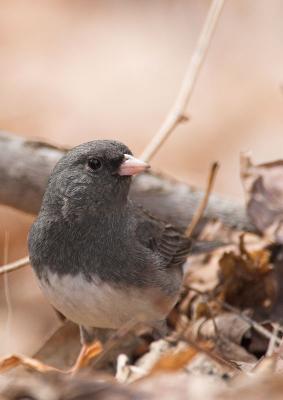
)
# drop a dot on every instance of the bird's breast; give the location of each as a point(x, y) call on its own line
point(100, 304)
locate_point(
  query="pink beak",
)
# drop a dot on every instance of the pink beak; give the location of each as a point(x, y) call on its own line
point(132, 166)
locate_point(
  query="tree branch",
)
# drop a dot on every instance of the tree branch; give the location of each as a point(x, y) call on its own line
point(177, 114)
point(26, 165)
point(203, 204)
point(24, 170)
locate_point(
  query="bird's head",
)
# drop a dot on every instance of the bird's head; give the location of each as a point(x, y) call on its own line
point(92, 175)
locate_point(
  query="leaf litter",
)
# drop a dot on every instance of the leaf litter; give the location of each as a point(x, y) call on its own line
point(224, 337)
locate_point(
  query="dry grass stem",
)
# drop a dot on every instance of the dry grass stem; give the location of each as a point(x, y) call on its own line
point(7, 291)
point(22, 262)
point(199, 212)
point(177, 114)
point(273, 345)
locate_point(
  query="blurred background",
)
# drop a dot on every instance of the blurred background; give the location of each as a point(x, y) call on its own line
point(73, 71)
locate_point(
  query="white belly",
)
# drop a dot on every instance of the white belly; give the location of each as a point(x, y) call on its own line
point(97, 304)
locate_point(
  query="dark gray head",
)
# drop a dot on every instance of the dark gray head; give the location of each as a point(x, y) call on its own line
point(91, 176)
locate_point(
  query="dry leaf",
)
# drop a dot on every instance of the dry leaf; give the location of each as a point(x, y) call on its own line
point(227, 330)
point(174, 361)
point(62, 348)
point(233, 351)
point(263, 184)
point(16, 360)
point(247, 280)
point(228, 325)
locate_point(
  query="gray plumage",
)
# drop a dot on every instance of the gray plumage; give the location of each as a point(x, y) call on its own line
point(89, 235)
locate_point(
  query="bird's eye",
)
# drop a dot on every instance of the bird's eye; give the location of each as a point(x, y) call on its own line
point(94, 164)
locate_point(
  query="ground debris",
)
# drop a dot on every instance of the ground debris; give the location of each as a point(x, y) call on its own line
point(224, 334)
point(263, 184)
point(247, 279)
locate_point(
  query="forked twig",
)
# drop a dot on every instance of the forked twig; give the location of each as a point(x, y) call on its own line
point(177, 114)
point(202, 206)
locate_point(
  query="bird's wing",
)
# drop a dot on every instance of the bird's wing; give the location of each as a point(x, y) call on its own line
point(163, 239)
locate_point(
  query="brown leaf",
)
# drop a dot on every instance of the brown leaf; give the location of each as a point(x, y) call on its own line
point(229, 325)
point(247, 280)
point(173, 361)
point(227, 330)
point(263, 184)
point(16, 360)
point(62, 348)
point(234, 352)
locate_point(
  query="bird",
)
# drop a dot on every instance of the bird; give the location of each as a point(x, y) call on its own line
point(101, 259)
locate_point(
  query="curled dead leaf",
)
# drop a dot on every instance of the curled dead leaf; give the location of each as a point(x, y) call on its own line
point(263, 185)
point(16, 360)
point(228, 325)
point(247, 280)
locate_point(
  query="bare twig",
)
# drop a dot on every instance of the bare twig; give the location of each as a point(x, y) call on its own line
point(255, 325)
point(200, 210)
point(213, 355)
point(183, 334)
point(272, 345)
point(14, 265)
point(177, 114)
point(7, 292)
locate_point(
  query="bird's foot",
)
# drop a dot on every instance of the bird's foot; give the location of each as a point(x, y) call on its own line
point(87, 353)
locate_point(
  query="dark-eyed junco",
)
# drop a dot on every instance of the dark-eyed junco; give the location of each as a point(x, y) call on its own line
point(100, 259)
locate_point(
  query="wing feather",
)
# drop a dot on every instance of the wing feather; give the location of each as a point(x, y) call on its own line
point(171, 245)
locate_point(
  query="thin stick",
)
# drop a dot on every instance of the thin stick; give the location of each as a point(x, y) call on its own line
point(212, 355)
point(183, 335)
point(176, 115)
point(272, 345)
point(255, 325)
point(14, 265)
point(199, 212)
point(7, 293)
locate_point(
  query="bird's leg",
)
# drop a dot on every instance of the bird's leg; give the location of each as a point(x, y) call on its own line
point(91, 347)
point(159, 329)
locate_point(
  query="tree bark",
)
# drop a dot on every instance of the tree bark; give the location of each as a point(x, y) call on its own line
point(26, 165)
